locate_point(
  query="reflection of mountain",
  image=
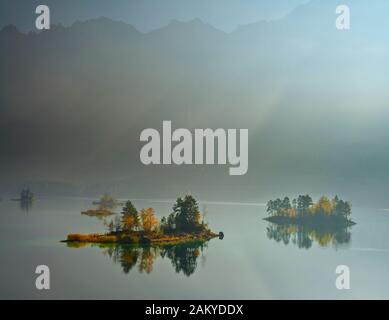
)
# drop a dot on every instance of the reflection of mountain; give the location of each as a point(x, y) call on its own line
point(303, 236)
point(182, 256)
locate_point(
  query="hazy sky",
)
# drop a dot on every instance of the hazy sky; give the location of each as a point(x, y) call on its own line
point(314, 98)
point(149, 14)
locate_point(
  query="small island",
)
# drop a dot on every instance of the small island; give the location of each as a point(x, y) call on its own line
point(303, 211)
point(25, 196)
point(105, 207)
point(97, 213)
point(184, 224)
point(26, 199)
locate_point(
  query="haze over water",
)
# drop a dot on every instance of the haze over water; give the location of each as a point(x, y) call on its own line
point(74, 99)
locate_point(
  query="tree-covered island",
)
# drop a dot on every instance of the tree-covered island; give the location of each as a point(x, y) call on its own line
point(184, 224)
point(302, 210)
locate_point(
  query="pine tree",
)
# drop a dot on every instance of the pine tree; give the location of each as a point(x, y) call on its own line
point(186, 211)
point(129, 213)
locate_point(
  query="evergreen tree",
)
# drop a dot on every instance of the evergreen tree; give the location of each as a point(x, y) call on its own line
point(294, 203)
point(277, 206)
point(286, 204)
point(270, 207)
point(129, 213)
point(186, 211)
point(303, 204)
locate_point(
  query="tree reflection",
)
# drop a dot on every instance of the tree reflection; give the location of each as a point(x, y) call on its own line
point(184, 257)
point(304, 235)
point(149, 255)
point(25, 205)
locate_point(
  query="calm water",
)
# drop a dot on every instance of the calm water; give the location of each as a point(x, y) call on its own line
point(253, 261)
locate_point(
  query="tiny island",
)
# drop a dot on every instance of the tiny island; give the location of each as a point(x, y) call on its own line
point(184, 224)
point(104, 207)
point(25, 196)
point(303, 211)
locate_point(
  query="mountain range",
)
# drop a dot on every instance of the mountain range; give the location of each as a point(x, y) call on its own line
point(73, 101)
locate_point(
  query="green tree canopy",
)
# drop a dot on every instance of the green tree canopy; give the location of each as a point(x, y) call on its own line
point(186, 211)
point(129, 210)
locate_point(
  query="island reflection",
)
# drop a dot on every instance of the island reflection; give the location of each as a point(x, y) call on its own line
point(303, 236)
point(183, 257)
point(303, 222)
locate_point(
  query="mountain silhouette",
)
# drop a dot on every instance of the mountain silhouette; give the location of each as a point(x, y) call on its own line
point(74, 100)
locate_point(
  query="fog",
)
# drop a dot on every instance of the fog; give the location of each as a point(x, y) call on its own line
point(74, 100)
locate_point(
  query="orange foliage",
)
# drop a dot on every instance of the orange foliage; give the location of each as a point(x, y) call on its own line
point(147, 260)
point(149, 220)
point(129, 222)
point(324, 205)
point(291, 212)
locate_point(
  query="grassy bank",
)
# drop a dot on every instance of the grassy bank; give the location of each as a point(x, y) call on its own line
point(140, 237)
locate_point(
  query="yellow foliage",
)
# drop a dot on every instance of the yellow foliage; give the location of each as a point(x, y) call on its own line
point(323, 239)
point(324, 205)
point(129, 222)
point(147, 260)
point(198, 217)
point(291, 212)
point(149, 220)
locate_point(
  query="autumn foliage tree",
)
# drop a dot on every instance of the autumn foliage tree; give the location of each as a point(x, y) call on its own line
point(303, 206)
point(323, 206)
point(185, 217)
point(129, 223)
point(149, 220)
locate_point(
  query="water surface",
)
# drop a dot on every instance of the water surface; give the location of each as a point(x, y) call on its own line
point(249, 263)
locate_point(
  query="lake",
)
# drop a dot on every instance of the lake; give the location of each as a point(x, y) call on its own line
point(253, 261)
